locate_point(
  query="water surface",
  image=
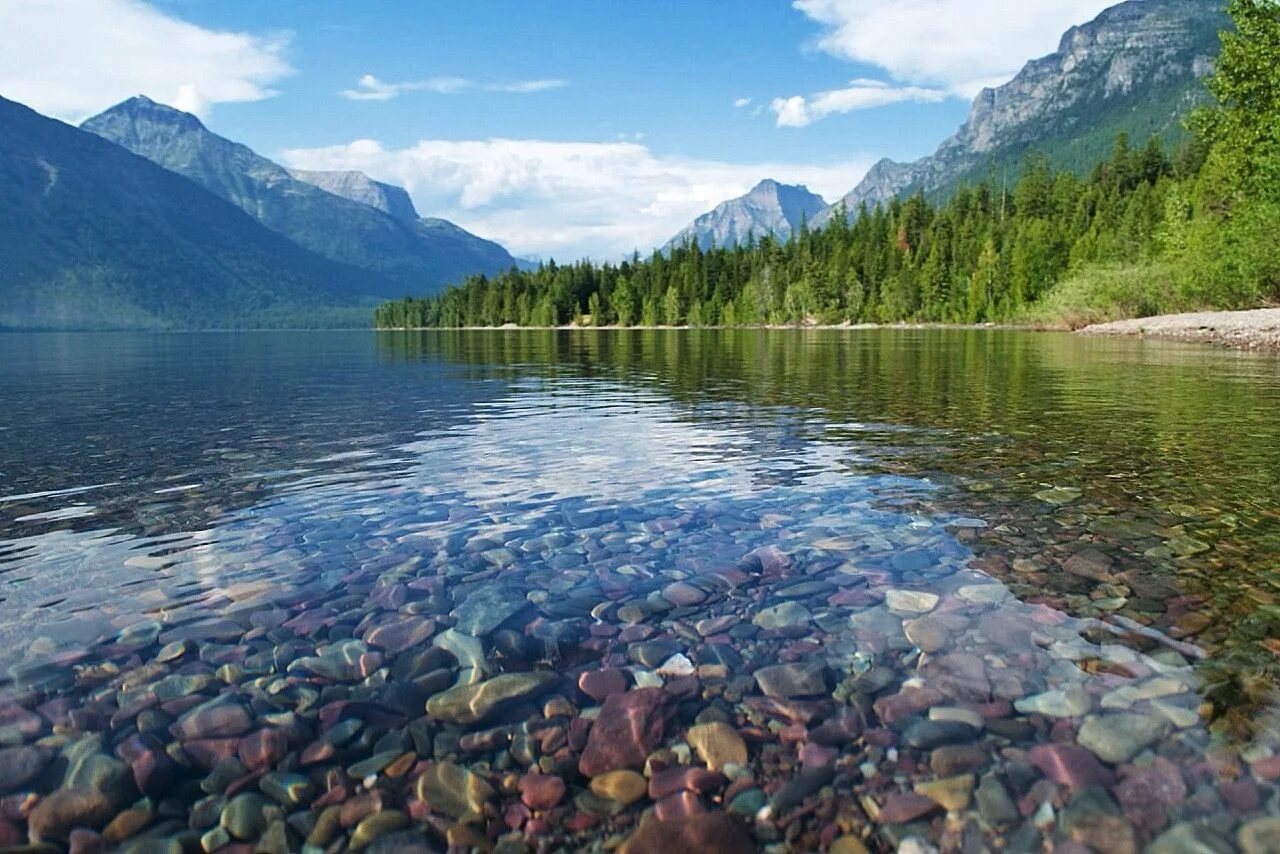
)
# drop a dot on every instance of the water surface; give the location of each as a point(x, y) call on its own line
point(974, 539)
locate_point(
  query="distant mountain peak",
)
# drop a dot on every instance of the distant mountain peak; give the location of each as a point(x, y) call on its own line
point(770, 207)
point(354, 220)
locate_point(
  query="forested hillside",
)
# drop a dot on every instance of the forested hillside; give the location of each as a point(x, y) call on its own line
point(1145, 232)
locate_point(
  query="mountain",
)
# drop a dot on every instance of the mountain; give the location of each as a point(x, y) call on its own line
point(359, 187)
point(770, 208)
point(93, 236)
point(412, 256)
point(1136, 68)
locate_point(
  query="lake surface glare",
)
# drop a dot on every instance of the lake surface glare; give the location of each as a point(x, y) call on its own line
point(953, 590)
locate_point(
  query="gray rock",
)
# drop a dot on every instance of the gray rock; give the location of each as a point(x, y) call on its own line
point(792, 680)
point(485, 609)
point(1118, 738)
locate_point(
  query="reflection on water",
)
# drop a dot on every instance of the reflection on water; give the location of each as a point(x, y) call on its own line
point(1014, 577)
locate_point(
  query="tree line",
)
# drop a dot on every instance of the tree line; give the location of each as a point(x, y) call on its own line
point(1196, 229)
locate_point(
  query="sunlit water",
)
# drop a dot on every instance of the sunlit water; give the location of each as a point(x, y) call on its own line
point(1023, 532)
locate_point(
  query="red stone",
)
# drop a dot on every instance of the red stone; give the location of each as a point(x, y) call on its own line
point(683, 778)
point(205, 753)
point(679, 805)
point(1070, 765)
point(262, 749)
point(705, 833)
point(630, 726)
point(599, 685)
point(541, 791)
point(902, 807)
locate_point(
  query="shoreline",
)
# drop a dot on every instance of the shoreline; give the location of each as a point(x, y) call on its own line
point(1253, 329)
point(1250, 329)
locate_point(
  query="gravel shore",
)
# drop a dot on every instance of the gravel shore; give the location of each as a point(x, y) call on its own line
point(1248, 330)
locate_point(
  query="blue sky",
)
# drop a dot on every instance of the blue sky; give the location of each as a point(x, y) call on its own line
point(565, 128)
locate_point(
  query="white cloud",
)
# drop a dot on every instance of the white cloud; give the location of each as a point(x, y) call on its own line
point(799, 111)
point(370, 88)
point(73, 58)
point(958, 45)
point(567, 199)
point(742, 102)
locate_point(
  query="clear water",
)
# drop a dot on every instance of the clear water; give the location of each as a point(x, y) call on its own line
point(1093, 514)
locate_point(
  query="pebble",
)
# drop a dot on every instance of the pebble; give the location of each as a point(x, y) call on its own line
point(784, 615)
point(450, 789)
point(952, 793)
point(1069, 703)
point(792, 680)
point(910, 601)
point(628, 728)
point(1117, 738)
point(624, 786)
point(707, 833)
point(1260, 836)
point(717, 745)
point(469, 703)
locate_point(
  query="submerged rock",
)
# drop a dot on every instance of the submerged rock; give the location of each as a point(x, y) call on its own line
point(629, 727)
point(467, 704)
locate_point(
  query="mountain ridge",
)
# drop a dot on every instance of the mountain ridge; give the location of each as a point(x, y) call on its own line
point(411, 256)
point(1135, 68)
point(94, 236)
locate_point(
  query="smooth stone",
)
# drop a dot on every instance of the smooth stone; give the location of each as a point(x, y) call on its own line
point(1069, 703)
point(785, 615)
point(994, 804)
point(748, 803)
point(453, 790)
point(792, 680)
point(705, 833)
point(541, 791)
point(1260, 836)
point(951, 759)
point(623, 786)
point(289, 790)
point(1089, 563)
point(1119, 737)
point(683, 594)
point(106, 775)
point(794, 792)
point(847, 845)
point(600, 684)
point(487, 608)
point(243, 816)
point(57, 814)
point(984, 594)
point(20, 765)
point(372, 827)
point(652, 653)
point(928, 734)
point(910, 601)
point(717, 745)
point(467, 704)
point(952, 793)
point(629, 727)
point(1190, 838)
point(469, 652)
point(1070, 765)
point(215, 719)
point(902, 807)
point(927, 634)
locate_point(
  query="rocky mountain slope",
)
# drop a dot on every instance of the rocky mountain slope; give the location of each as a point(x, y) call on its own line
point(770, 208)
point(359, 187)
point(414, 257)
point(93, 236)
point(1136, 68)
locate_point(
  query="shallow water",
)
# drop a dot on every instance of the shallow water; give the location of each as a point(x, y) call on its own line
point(980, 555)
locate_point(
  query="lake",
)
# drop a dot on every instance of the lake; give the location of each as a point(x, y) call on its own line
point(876, 588)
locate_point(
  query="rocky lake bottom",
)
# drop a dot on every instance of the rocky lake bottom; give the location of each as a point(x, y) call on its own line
point(644, 591)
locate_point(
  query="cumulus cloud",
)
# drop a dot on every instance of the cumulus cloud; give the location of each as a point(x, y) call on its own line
point(370, 88)
point(567, 199)
point(73, 58)
point(742, 102)
point(957, 45)
point(799, 111)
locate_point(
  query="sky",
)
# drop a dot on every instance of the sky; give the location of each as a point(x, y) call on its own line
point(560, 128)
